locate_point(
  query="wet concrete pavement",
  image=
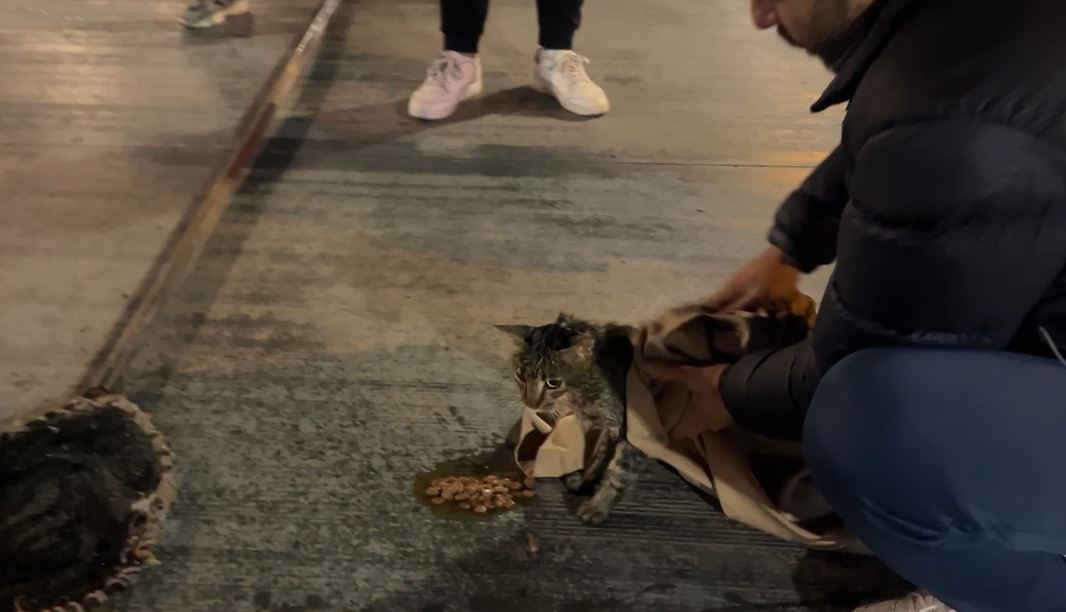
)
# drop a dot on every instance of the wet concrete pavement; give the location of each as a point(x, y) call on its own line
point(111, 121)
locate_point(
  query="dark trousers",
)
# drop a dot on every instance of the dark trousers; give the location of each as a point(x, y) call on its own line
point(951, 467)
point(463, 21)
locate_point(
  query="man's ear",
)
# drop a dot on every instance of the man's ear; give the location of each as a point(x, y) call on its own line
point(518, 333)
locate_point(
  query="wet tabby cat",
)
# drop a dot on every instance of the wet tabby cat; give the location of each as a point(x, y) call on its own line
point(573, 365)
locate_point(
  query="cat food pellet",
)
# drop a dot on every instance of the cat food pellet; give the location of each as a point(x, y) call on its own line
point(481, 495)
point(532, 545)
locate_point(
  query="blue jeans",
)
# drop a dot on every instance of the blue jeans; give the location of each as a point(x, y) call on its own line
point(951, 466)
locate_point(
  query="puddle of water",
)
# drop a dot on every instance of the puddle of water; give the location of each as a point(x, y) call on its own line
point(498, 461)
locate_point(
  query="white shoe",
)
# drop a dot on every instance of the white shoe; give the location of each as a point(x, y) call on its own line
point(562, 74)
point(915, 602)
point(202, 14)
point(454, 77)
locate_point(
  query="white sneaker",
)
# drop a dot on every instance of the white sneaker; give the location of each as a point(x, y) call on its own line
point(454, 77)
point(562, 74)
point(915, 602)
point(202, 14)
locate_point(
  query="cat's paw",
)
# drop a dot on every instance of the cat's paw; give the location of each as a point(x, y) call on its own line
point(593, 512)
point(574, 482)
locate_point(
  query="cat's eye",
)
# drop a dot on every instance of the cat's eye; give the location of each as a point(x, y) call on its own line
point(553, 383)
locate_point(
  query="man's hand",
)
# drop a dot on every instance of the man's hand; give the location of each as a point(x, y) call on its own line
point(767, 281)
point(705, 410)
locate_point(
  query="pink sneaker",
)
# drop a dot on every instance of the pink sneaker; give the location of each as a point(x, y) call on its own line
point(454, 77)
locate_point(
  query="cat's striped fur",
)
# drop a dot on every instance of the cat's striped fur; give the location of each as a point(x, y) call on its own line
point(576, 366)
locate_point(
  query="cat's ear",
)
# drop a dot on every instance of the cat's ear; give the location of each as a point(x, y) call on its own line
point(564, 319)
point(580, 349)
point(519, 333)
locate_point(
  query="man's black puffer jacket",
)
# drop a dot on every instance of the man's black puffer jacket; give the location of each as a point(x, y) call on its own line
point(944, 207)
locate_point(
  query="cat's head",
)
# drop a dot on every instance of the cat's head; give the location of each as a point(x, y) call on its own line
point(552, 361)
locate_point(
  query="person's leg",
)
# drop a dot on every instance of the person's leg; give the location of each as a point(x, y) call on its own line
point(949, 466)
point(456, 75)
point(462, 22)
point(558, 21)
point(559, 71)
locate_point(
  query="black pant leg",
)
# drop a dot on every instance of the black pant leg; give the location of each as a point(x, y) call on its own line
point(559, 21)
point(462, 22)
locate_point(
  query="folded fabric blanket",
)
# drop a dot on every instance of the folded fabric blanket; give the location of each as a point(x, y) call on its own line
point(760, 482)
point(84, 491)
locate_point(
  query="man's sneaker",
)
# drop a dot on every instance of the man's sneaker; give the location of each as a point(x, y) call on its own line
point(562, 74)
point(915, 602)
point(454, 77)
point(210, 13)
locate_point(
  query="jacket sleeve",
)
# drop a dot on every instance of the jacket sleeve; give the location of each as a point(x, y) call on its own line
point(805, 226)
point(768, 392)
point(954, 232)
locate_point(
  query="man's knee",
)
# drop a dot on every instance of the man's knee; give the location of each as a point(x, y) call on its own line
point(861, 427)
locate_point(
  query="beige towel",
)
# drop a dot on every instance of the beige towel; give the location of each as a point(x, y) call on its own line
point(719, 463)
